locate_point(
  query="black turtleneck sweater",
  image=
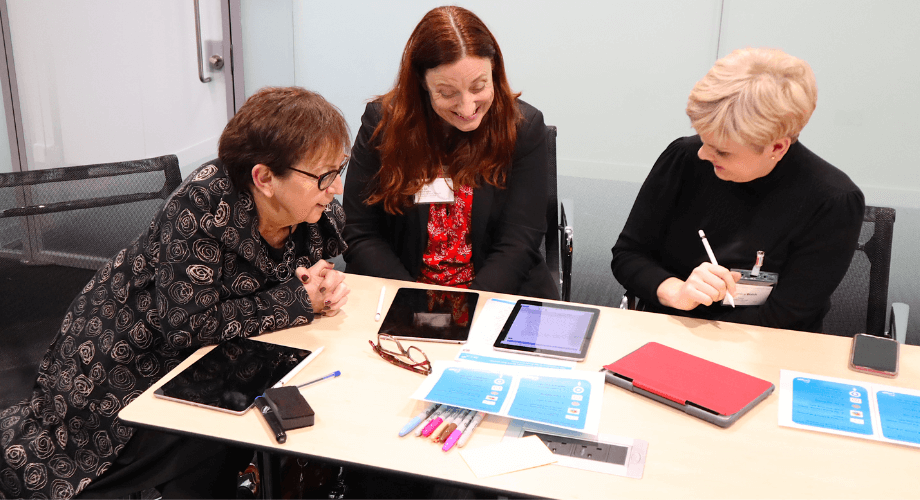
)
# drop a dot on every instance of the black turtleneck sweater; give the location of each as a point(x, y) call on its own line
point(805, 215)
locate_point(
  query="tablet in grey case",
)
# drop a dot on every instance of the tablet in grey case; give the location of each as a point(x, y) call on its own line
point(430, 315)
point(232, 375)
point(548, 329)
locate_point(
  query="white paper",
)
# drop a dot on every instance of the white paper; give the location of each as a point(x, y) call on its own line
point(849, 408)
point(570, 399)
point(750, 295)
point(507, 456)
point(440, 190)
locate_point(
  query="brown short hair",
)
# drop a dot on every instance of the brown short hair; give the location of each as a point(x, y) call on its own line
point(411, 145)
point(280, 127)
point(754, 97)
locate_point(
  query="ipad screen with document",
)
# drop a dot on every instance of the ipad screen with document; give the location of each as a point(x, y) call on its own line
point(430, 315)
point(232, 375)
point(548, 329)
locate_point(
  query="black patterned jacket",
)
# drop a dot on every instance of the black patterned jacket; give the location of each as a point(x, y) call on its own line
point(200, 273)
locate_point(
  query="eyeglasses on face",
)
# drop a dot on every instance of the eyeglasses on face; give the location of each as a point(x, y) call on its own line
point(391, 350)
point(324, 181)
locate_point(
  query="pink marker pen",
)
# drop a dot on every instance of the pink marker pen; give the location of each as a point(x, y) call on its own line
point(454, 436)
point(436, 420)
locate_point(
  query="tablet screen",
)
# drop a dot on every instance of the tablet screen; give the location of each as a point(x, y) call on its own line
point(233, 374)
point(432, 315)
point(548, 329)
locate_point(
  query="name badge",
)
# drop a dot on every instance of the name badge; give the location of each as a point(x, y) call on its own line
point(753, 290)
point(440, 190)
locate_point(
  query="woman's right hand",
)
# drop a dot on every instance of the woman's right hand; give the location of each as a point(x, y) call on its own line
point(708, 283)
point(325, 286)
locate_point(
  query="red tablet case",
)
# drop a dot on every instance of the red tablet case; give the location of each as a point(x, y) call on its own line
point(689, 381)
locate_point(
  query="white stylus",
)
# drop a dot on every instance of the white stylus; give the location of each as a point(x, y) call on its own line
point(712, 258)
point(383, 292)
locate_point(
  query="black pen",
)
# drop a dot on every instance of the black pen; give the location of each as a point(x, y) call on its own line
point(266, 411)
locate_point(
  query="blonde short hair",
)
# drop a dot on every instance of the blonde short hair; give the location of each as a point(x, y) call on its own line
point(754, 97)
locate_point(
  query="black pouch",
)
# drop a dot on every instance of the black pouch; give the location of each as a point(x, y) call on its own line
point(290, 407)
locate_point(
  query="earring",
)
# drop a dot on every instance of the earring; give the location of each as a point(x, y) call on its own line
point(772, 157)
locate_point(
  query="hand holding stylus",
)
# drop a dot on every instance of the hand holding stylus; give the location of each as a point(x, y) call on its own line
point(708, 283)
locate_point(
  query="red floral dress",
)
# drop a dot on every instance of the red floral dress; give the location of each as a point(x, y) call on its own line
point(448, 258)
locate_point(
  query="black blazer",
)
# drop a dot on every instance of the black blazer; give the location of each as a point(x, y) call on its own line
point(508, 224)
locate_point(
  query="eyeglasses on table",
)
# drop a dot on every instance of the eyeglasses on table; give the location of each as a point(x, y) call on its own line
point(411, 358)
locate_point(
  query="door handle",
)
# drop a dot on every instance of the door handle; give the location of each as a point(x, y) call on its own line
point(198, 41)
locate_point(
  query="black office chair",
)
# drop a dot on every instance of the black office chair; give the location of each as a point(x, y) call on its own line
point(860, 302)
point(57, 227)
point(557, 244)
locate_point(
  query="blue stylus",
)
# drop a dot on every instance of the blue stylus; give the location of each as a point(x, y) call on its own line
point(418, 419)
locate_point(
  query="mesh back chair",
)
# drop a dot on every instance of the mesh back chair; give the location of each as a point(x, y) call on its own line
point(81, 216)
point(557, 244)
point(860, 303)
point(77, 218)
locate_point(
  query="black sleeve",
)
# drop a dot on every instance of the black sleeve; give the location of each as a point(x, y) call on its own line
point(192, 303)
point(515, 247)
point(816, 265)
point(368, 252)
point(636, 260)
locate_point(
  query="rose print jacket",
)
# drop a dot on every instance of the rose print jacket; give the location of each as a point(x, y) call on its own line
point(200, 273)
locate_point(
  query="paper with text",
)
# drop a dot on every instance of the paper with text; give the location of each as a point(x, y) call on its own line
point(570, 399)
point(850, 408)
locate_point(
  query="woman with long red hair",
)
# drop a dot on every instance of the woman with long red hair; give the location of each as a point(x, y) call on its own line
point(447, 182)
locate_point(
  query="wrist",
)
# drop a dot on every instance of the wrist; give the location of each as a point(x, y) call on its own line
point(668, 291)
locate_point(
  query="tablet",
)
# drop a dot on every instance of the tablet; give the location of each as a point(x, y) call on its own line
point(233, 374)
point(431, 315)
point(548, 329)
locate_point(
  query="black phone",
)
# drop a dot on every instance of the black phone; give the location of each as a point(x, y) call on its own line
point(875, 355)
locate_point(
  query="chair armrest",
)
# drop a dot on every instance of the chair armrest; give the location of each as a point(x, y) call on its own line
point(566, 248)
point(897, 323)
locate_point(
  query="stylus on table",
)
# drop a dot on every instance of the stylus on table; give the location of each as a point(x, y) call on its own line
point(299, 367)
point(331, 375)
point(409, 427)
point(383, 293)
point(712, 259)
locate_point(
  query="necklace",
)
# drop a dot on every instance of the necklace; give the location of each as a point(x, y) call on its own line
point(284, 269)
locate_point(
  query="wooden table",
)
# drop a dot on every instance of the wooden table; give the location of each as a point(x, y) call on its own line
point(359, 413)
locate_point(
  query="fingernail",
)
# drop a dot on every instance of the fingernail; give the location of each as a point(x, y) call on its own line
point(328, 302)
point(322, 290)
point(326, 308)
point(305, 278)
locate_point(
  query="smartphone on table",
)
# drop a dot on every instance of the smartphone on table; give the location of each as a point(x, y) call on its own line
point(875, 355)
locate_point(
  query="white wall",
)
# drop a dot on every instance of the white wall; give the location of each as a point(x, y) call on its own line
point(615, 75)
point(866, 58)
point(268, 44)
point(106, 81)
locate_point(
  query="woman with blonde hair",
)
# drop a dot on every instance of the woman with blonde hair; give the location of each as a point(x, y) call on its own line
point(748, 182)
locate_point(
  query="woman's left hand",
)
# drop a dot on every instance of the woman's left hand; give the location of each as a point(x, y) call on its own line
point(325, 286)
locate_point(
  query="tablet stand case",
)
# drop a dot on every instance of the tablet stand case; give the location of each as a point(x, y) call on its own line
point(289, 407)
point(701, 388)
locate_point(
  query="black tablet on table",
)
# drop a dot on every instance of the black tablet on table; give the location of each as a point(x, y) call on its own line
point(233, 374)
point(431, 315)
point(548, 329)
